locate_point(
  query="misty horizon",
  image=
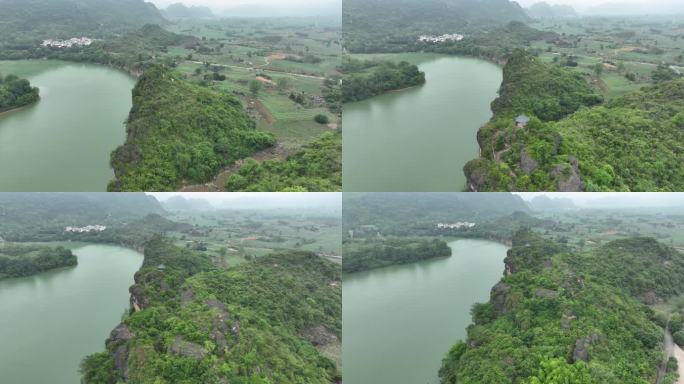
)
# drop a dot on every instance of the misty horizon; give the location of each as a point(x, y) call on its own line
point(266, 8)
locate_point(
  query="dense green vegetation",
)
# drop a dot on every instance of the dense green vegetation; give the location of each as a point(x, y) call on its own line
point(391, 251)
point(564, 316)
point(180, 132)
point(631, 143)
point(365, 79)
point(16, 93)
point(316, 168)
point(547, 92)
point(193, 323)
point(394, 26)
point(27, 22)
point(26, 260)
point(34, 217)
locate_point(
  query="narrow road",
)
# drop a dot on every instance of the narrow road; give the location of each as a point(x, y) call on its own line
point(671, 349)
point(261, 69)
point(278, 152)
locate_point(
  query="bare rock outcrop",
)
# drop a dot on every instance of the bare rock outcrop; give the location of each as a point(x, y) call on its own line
point(185, 348)
point(319, 335)
point(498, 297)
point(527, 163)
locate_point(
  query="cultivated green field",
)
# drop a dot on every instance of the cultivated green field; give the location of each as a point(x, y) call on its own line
point(238, 236)
point(628, 49)
point(290, 58)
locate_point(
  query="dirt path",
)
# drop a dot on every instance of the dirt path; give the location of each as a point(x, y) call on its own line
point(671, 349)
point(679, 355)
point(265, 114)
point(261, 69)
point(279, 152)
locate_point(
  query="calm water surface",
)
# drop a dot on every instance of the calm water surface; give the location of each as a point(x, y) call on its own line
point(419, 139)
point(50, 321)
point(64, 142)
point(400, 321)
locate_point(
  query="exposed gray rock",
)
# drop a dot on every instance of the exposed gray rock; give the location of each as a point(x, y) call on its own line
point(319, 335)
point(498, 297)
point(650, 298)
point(544, 293)
point(581, 351)
point(185, 348)
point(568, 182)
point(527, 163)
point(121, 333)
point(186, 297)
point(120, 358)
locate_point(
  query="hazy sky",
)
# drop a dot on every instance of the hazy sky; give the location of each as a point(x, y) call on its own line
point(632, 199)
point(585, 4)
point(265, 200)
point(220, 5)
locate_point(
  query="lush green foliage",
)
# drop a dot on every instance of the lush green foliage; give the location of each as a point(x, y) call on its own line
point(559, 316)
point(392, 251)
point(37, 217)
point(181, 132)
point(365, 79)
point(26, 260)
point(545, 91)
point(317, 168)
point(632, 143)
point(16, 93)
point(247, 324)
point(24, 22)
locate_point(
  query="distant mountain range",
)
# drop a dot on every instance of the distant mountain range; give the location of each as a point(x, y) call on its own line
point(651, 7)
point(181, 11)
point(314, 8)
point(544, 10)
point(179, 203)
point(545, 203)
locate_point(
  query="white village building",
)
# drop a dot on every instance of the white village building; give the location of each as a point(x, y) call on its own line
point(86, 229)
point(440, 39)
point(73, 42)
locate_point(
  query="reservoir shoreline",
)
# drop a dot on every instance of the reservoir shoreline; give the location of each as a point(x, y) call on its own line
point(64, 142)
point(401, 321)
point(418, 139)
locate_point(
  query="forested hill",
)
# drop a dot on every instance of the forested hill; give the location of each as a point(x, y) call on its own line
point(193, 323)
point(574, 141)
point(180, 132)
point(397, 212)
point(373, 24)
point(22, 20)
point(567, 317)
point(28, 216)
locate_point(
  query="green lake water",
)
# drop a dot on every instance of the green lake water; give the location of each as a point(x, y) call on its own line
point(419, 139)
point(50, 321)
point(399, 322)
point(63, 142)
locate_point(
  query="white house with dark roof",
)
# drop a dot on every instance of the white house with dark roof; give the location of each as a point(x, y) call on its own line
point(521, 121)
